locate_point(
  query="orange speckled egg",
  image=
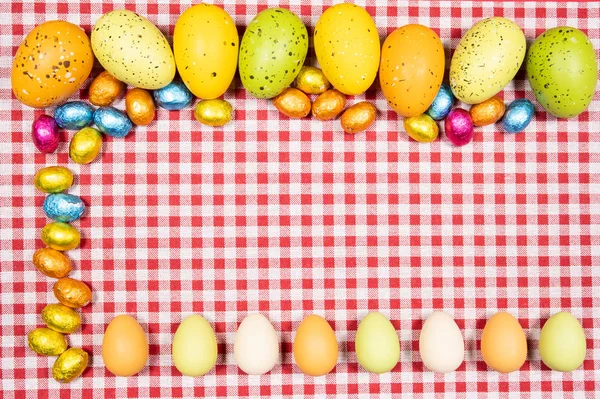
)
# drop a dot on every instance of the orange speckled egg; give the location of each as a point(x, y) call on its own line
point(411, 69)
point(315, 346)
point(503, 343)
point(51, 64)
point(125, 346)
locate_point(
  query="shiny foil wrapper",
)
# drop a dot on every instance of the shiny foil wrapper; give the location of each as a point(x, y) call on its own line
point(63, 207)
point(53, 179)
point(488, 112)
point(105, 89)
point(60, 236)
point(72, 293)
point(112, 122)
point(312, 80)
point(85, 145)
point(442, 103)
point(45, 341)
point(329, 105)
point(70, 365)
point(293, 103)
point(52, 263)
point(421, 128)
point(358, 117)
point(45, 134)
point(518, 115)
point(140, 106)
point(74, 115)
point(173, 96)
point(458, 127)
point(61, 318)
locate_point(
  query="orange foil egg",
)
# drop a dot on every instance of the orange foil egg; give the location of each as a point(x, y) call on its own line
point(105, 89)
point(292, 103)
point(52, 263)
point(140, 106)
point(488, 112)
point(358, 117)
point(72, 293)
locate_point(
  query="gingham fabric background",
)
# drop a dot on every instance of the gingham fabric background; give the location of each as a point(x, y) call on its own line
point(288, 217)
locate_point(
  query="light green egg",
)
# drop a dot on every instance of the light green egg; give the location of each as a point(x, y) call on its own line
point(563, 71)
point(194, 347)
point(562, 343)
point(377, 345)
point(486, 59)
point(272, 52)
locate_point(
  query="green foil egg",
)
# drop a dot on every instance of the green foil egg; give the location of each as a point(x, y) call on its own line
point(60, 236)
point(85, 145)
point(53, 179)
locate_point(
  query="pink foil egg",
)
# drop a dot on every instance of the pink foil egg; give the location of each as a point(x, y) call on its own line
point(459, 127)
point(44, 133)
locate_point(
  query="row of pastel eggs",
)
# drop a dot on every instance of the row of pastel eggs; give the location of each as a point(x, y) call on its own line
point(59, 236)
point(207, 52)
point(256, 348)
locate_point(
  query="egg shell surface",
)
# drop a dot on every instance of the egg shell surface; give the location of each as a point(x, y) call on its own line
point(194, 347)
point(256, 345)
point(315, 346)
point(503, 343)
point(441, 344)
point(124, 346)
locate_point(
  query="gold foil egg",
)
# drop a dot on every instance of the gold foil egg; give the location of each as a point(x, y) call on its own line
point(358, 117)
point(72, 293)
point(53, 179)
point(312, 80)
point(85, 145)
point(328, 105)
point(51, 262)
point(105, 89)
point(70, 365)
point(45, 341)
point(60, 236)
point(139, 105)
point(421, 128)
point(488, 112)
point(61, 318)
point(215, 112)
point(292, 103)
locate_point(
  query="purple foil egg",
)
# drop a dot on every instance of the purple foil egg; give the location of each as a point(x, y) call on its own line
point(459, 127)
point(44, 133)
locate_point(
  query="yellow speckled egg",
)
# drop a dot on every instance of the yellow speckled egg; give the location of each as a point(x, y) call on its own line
point(140, 106)
point(133, 50)
point(52, 263)
point(206, 45)
point(85, 145)
point(412, 69)
point(51, 64)
point(72, 293)
point(60, 236)
point(486, 59)
point(70, 365)
point(53, 179)
point(61, 318)
point(347, 47)
point(45, 341)
point(105, 89)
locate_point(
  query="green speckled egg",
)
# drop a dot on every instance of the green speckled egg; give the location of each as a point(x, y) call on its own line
point(563, 71)
point(272, 52)
point(486, 59)
point(133, 50)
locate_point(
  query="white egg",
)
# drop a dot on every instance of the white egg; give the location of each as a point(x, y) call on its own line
point(256, 346)
point(441, 343)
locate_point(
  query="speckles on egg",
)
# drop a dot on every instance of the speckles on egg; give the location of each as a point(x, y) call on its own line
point(133, 50)
point(486, 59)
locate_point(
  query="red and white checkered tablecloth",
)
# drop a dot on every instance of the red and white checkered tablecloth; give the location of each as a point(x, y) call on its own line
point(288, 217)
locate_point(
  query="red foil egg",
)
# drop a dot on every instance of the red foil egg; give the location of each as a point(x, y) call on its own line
point(44, 133)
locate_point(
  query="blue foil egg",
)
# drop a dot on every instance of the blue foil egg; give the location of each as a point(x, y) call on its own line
point(173, 96)
point(113, 122)
point(442, 104)
point(63, 207)
point(74, 115)
point(518, 115)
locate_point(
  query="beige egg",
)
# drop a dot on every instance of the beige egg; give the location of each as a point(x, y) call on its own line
point(256, 346)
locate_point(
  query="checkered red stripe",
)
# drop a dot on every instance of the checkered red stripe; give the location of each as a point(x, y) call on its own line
point(288, 217)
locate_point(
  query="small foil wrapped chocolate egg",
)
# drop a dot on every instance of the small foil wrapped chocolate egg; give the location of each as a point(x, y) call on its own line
point(312, 80)
point(292, 103)
point(105, 89)
point(358, 117)
point(72, 293)
point(60, 236)
point(74, 115)
point(70, 365)
point(442, 103)
point(85, 145)
point(488, 112)
point(140, 106)
point(518, 115)
point(45, 341)
point(328, 105)
point(63, 207)
point(214, 112)
point(44, 133)
point(61, 318)
point(173, 96)
point(52, 263)
point(421, 128)
point(113, 122)
point(53, 179)
point(458, 127)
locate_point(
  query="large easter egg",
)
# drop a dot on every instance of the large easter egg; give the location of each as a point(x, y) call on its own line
point(51, 64)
